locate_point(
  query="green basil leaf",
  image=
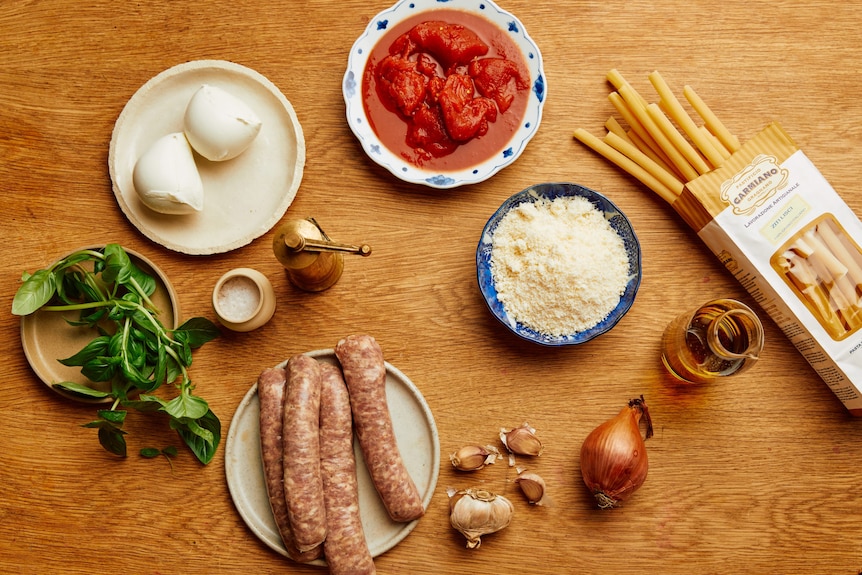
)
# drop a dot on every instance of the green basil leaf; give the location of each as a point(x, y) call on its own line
point(136, 378)
point(118, 266)
point(96, 348)
point(173, 369)
point(112, 440)
point(202, 436)
point(197, 331)
point(144, 280)
point(82, 390)
point(36, 291)
point(186, 406)
point(145, 403)
point(170, 451)
point(116, 417)
point(101, 368)
point(150, 452)
point(74, 259)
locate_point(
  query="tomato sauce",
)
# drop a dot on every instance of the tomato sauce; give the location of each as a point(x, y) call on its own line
point(392, 125)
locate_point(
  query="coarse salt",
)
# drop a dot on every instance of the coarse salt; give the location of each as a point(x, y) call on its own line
point(558, 266)
point(238, 298)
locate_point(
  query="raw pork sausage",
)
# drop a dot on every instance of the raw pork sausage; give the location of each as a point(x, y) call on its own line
point(345, 547)
point(303, 486)
point(270, 390)
point(365, 374)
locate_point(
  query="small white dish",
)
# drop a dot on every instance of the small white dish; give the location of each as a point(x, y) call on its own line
point(418, 442)
point(357, 116)
point(243, 197)
point(243, 299)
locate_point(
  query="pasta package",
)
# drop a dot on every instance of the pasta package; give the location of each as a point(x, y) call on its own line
point(767, 213)
point(785, 234)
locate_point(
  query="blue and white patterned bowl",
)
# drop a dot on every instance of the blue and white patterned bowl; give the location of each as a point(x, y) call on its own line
point(358, 119)
point(618, 221)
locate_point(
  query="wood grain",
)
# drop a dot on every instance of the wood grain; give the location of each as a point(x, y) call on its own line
point(756, 474)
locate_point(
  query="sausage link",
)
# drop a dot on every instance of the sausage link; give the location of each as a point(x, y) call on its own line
point(365, 374)
point(303, 486)
point(270, 390)
point(345, 547)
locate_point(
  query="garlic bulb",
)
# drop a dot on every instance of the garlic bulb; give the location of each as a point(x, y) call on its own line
point(474, 457)
point(477, 512)
point(533, 487)
point(521, 441)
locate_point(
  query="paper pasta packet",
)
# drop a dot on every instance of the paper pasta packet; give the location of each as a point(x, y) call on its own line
point(781, 229)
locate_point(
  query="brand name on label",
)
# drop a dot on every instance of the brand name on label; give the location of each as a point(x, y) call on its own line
point(754, 185)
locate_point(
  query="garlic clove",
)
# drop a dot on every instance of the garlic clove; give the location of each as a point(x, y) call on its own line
point(533, 487)
point(521, 441)
point(474, 457)
point(476, 512)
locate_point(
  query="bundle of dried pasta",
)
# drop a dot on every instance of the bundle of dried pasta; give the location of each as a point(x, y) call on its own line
point(763, 209)
point(664, 147)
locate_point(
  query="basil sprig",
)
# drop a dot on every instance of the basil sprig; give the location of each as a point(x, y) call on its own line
point(132, 349)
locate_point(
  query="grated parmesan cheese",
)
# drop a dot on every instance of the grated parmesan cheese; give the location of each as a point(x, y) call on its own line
point(558, 266)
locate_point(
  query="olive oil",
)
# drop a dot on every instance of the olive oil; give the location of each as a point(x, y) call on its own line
point(721, 338)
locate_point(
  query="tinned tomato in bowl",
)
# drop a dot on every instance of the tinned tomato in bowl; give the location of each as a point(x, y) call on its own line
point(444, 97)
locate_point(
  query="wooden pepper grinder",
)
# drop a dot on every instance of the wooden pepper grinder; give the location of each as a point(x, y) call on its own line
point(313, 261)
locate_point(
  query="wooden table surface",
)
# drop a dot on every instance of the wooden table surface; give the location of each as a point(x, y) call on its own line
point(755, 474)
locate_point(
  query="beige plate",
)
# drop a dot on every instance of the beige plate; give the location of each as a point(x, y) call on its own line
point(47, 338)
point(418, 443)
point(243, 197)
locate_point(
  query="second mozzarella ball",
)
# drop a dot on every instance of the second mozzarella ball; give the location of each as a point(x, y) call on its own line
point(218, 125)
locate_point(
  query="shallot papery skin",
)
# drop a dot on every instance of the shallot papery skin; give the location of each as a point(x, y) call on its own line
point(613, 456)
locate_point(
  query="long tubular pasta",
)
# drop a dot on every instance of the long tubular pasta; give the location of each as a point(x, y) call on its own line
point(830, 238)
point(640, 112)
point(716, 143)
point(645, 162)
point(636, 126)
point(642, 146)
point(680, 116)
point(822, 253)
point(806, 282)
point(676, 139)
point(626, 164)
point(614, 127)
point(712, 122)
point(615, 78)
point(837, 295)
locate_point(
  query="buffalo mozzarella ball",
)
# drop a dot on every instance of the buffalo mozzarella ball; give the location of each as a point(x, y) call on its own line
point(218, 125)
point(166, 177)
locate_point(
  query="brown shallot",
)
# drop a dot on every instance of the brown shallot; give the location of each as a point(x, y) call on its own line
point(613, 456)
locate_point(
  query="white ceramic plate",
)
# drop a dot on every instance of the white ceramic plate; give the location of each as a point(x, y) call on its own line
point(47, 337)
point(358, 119)
point(418, 443)
point(245, 196)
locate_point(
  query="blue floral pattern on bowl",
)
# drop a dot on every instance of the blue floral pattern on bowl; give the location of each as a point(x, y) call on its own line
point(358, 121)
point(618, 221)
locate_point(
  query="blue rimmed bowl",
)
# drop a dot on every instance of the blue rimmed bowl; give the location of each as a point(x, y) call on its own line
point(617, 220)
point(360, 124)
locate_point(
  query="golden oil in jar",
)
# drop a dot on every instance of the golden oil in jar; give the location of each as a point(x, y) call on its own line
point(721, 338)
